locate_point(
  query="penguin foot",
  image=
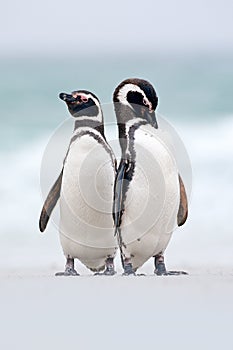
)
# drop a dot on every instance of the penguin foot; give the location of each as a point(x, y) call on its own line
point(68, 272)
point(69, 269)
point(176, 273)
point(160, 268)
point(161, 271)
point(106, 272)
point(128, 270)
point(109, 270)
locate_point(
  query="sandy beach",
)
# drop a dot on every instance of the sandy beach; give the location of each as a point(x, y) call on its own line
point(89, 312)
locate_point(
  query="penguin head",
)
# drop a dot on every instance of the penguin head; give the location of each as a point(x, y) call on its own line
point(140, 98)
point(83, 103)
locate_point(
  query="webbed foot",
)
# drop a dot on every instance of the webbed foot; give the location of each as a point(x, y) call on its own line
point(160, 268)
point(109, 270)
point(176, 273)
point(128, 270)
point(106, 273)
point(68, 272)
point(69, 269)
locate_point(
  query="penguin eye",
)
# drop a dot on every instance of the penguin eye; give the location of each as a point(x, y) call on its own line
point(84, 99)
point(145, 102)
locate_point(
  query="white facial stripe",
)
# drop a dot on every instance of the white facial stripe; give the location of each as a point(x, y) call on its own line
point(122, 94)
point(99, 117)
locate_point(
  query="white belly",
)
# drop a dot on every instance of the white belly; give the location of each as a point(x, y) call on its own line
point(86, 224)
point(152, 199)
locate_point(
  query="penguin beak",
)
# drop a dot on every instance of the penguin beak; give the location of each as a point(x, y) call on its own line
point(147, 113)
point(151, 118)
point(66, 97)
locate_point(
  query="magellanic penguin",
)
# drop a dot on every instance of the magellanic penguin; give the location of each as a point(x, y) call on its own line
point(85, 187)
point(149, 196)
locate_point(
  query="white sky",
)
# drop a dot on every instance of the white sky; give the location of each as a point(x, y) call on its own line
point(105, 25)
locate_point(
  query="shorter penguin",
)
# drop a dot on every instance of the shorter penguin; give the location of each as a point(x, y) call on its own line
point(149, 196)
point(85, 188)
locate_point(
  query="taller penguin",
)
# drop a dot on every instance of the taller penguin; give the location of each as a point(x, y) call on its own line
point(85, 188)
point(150, 198)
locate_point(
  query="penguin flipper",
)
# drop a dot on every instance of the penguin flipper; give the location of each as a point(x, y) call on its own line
point(50, 203)
point(183, 208)
point(119, 194)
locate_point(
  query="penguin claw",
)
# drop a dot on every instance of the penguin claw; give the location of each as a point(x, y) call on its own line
point(68, 272)
point(133, 273)
point(106, 273)
point(109, 272)
point(128, 270)
point(129, 273)
point(172, 273)
point(161, 271)
point(109, 268)
point(160, 268)
point(176, 273)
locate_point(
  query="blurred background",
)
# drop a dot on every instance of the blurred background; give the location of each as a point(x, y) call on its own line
point(185, 49)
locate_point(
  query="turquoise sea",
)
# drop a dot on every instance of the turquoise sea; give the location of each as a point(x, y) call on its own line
point(195, 96)
point(190, 89)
